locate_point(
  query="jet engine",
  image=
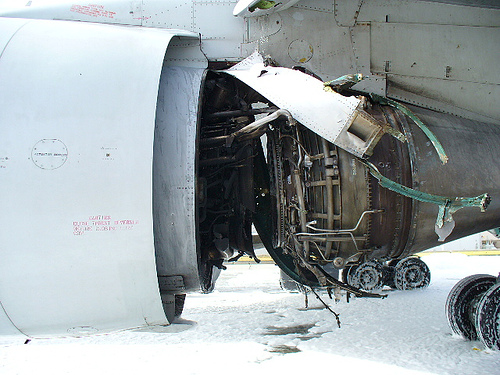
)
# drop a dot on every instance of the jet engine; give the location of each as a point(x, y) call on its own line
point(130, 173)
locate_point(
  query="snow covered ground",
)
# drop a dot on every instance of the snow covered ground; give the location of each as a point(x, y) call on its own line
point(250, 326)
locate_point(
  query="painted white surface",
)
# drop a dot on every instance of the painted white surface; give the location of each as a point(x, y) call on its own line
point(78, 105)
point(328, 114)
point(221, 32)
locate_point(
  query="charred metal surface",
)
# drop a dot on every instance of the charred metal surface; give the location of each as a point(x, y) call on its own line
point(472, 169)
point(390, 230)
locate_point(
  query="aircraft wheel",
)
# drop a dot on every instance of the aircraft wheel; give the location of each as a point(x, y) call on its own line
point(367, 276)
point(389, 272)
point(411, 273)
point(487, 320)
point(462, 303)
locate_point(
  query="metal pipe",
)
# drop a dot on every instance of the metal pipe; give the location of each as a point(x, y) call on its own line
point(317, 237)
point(228, 139)
point(302, 207)
point(329, 196)
point(309, 225)
point(237, 113)
point(263, 121)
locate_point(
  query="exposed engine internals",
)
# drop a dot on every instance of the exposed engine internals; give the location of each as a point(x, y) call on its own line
point(255, 160)
point(317, 208)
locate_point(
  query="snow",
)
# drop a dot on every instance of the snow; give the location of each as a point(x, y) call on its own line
point(249, 325)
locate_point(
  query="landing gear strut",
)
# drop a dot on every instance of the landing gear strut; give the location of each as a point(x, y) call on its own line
point(367, 276)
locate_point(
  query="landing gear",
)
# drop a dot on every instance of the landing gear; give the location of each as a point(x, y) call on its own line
point(367, 276)
point(411, 273)
point(473, 308)
point(488, 318)
point(406, 274)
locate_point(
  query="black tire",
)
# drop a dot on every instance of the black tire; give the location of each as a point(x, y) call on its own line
point(462, 303)
point(367, 276)
point(487, 320)
point(411, 273)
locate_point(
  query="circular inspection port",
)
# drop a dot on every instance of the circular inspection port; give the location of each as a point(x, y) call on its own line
point(49, 154)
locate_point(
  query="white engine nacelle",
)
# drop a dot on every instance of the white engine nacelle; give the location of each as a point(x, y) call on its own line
point(76, 159)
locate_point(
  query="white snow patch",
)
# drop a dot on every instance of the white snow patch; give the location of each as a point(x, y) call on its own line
point(248, 326)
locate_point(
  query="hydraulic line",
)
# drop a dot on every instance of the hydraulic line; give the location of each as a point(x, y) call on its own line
point(447, 205)
point(430, 135)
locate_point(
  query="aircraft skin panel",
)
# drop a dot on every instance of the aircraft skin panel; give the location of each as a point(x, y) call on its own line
point(222, 39)
point(457, 60)
point(6, 325)
point(176, 14)
point(318, 5)
point(435, 12)
point(107, 11)
point(441, 63)
point(328, 50)
point(10, 27)
point(362, 37)
point(174, 178)
point(77, 144)
point(425, 93)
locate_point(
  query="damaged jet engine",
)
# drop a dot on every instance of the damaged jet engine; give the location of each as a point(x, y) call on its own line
point(132, 178)
point(360, 200)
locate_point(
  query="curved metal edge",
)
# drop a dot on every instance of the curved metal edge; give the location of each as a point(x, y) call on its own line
point(115, 80)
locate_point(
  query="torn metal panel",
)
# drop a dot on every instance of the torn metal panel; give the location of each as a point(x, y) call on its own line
point(339, 119)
